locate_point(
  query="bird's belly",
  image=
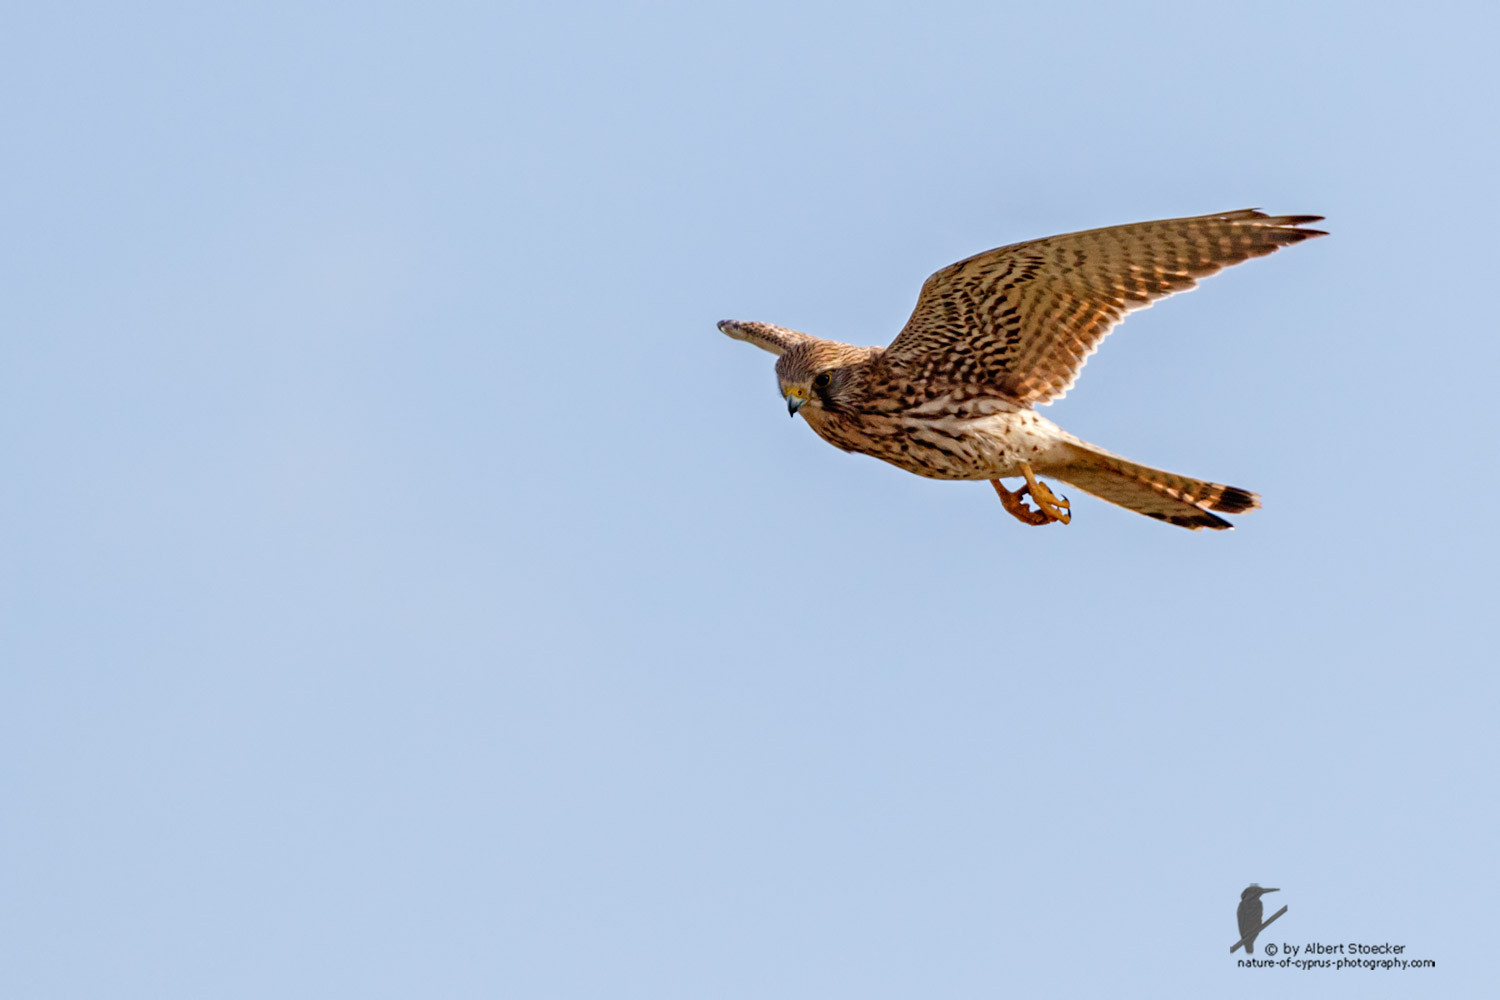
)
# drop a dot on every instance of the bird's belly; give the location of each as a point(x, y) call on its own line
point(948, 447)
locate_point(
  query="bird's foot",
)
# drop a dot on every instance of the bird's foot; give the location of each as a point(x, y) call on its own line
point(1014, 503)
point(1055, 507)
point(1050, 506)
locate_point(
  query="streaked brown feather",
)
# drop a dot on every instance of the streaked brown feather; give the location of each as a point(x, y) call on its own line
point(1021, 320)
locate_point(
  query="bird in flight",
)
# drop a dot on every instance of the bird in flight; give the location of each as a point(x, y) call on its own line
point(992, 336)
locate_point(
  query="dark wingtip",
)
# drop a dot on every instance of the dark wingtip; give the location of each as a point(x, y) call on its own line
point(1192, 522)
point(1285, 226)
point(1297, 235)
point(1235, 501)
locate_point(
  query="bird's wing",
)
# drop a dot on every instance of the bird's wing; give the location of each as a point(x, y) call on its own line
point(1248, 916)
point(776, 339)
point(1024, 318)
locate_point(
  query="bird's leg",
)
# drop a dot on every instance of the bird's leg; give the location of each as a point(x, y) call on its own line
point(1017, 508)
point(1056, 508)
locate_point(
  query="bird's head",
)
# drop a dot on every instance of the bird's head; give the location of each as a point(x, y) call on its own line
point(1254, 891)
point(819, 374)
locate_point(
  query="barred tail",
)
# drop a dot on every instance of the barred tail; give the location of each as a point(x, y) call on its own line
point(1162, 495)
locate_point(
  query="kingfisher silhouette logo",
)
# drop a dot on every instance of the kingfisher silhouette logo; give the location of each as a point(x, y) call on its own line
point(1308, 952)
point(1249, 917)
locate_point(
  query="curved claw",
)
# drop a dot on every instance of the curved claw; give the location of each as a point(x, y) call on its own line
point(1050, 506)
point(1055, 507)
point(1014, 505)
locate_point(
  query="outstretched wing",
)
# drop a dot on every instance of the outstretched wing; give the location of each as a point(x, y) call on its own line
point(1024, 318)
point(776, 339)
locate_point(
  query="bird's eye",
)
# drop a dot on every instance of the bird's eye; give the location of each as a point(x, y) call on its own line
point(821, 380)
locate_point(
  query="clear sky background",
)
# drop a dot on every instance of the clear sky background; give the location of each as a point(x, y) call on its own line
point(408, 592)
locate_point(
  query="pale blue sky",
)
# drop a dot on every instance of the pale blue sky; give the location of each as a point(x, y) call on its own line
point(408, 592)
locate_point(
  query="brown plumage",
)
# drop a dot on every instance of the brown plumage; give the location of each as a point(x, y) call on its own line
point(996, 334)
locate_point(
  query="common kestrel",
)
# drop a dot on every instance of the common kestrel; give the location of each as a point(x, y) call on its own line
point(1004, 330)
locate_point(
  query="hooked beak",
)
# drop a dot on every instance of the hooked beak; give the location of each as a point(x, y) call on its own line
point(793, 404)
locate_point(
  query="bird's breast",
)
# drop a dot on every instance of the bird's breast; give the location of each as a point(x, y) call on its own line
point(951, 443)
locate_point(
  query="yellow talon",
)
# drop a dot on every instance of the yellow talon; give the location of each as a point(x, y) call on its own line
point(1055, 507)
point(1050, 506)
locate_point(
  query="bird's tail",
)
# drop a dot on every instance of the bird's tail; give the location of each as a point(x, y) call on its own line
point(1162, 495)
point(1250, 947)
